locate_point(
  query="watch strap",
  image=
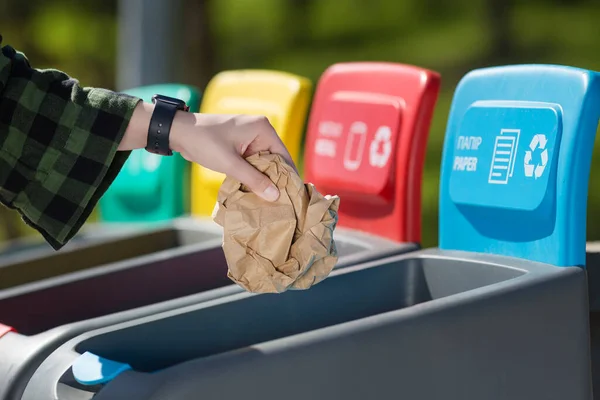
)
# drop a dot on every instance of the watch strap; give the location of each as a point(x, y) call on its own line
point(160, 128)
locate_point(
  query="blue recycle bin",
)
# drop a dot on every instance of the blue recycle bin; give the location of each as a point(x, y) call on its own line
point(498, 311)
point(151, 187)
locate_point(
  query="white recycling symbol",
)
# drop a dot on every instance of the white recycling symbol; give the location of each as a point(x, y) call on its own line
point(383, 139)
point(536, 170)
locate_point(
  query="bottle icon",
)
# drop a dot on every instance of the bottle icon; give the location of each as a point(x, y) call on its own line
point(355, 145)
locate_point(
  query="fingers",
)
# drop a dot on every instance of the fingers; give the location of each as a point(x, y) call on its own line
point(277, 147)
point(270, 140)
point(258, 182)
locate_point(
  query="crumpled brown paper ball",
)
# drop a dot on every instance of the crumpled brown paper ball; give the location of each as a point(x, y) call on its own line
point(286, 244)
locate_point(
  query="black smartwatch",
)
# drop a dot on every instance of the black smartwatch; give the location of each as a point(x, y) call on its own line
point(160, 124)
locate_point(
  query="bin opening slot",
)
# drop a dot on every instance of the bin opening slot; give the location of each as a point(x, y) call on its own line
point(223, 326)
point(119, 289)
point(94, 255)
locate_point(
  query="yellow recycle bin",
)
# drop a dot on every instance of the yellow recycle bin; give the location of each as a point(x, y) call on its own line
point(282, 97)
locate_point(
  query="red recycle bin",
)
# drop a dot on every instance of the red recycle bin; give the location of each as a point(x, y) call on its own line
point(366, 142)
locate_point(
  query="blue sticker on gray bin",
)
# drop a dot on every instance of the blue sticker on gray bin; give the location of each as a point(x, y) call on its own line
point(90, 369)
point(516, 163)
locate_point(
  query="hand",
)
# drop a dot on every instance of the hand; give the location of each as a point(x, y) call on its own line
point(217, 142)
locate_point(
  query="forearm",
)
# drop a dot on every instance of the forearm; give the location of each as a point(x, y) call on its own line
point(137, 130)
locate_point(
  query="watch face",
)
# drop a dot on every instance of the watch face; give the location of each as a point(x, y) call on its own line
point(170, 100)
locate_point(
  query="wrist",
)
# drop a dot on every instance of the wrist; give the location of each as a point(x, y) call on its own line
point(136, 134)
point(183, 124)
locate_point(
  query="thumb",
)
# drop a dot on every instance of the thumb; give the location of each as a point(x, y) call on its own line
point(257, 182)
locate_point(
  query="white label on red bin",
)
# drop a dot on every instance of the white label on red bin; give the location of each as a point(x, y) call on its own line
point(355, 145)
point(381, 147)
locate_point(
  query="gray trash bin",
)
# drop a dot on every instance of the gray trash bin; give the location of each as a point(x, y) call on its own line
point(47, 313)
point(388, 207)
point(34, 249)
point(103, 244)
point(499, 311)
point(593, 274)
point(22, 245)
point(592, 263)
point(428, 325)
point(29, 248)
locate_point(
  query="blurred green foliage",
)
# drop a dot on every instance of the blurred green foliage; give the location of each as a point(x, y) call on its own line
point(306, 36)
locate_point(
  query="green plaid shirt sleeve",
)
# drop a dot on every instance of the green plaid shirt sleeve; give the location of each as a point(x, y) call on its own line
point(58, 145)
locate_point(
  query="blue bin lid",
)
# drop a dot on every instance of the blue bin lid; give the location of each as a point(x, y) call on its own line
point(516, 162)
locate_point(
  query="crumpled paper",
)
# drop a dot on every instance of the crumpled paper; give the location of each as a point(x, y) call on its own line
point(272, 247)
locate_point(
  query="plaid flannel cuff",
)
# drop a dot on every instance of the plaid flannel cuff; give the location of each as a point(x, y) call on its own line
point(58, 147)
point(86, 167)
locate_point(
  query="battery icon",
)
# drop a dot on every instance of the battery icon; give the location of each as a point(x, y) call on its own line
point(503, 159)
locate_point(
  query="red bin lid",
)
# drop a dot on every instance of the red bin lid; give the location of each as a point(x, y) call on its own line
point(366, 142)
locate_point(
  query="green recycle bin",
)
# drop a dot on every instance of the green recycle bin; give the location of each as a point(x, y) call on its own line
point(151, 187)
